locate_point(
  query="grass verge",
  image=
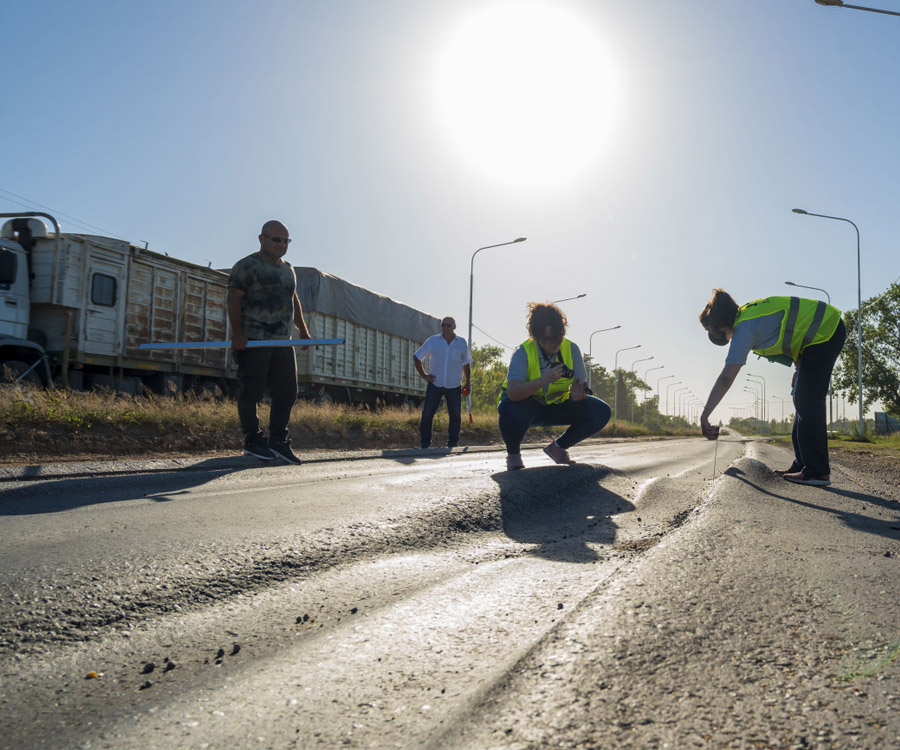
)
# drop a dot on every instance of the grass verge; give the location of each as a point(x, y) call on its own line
point(38, 425)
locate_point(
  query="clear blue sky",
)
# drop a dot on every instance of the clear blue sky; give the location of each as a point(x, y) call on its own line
point(650, 150)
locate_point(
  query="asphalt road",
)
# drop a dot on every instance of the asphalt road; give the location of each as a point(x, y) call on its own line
point(425, 600)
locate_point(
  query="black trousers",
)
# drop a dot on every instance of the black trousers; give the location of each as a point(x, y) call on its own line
point(433, 396)
point(810, 433)
point(258, 368)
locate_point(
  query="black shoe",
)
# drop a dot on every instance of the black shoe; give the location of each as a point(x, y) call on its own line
point(284, 452)
point(451, 446)
point(260, 449)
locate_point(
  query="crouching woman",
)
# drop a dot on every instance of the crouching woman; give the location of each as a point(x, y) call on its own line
point(546, 385)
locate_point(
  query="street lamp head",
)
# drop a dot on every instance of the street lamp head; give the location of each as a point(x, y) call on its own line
point(830, 2)
point(520, 239)
point(800, 210)
point(790, 283)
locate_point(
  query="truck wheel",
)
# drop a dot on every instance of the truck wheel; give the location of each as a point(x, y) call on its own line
point(12, 369)
point(324, 398)
point(211, 390)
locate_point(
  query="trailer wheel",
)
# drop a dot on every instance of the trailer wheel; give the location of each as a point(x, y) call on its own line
point(324, 398)
point(11, 370)
point(210, 390)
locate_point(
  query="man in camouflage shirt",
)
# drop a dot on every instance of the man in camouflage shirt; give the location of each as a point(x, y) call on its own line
point(263, 304)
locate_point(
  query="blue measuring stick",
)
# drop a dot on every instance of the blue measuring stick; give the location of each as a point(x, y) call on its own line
point(250, 344)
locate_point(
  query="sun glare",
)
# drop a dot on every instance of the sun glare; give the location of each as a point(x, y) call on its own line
point(524, 93)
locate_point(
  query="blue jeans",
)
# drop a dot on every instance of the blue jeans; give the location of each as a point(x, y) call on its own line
point(433, 396)
point(810, 433)
point(584, 418)
point(258, 368)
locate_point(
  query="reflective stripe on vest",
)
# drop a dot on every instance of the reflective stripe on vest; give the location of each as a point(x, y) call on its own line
point(805, 322)
point(558, 391)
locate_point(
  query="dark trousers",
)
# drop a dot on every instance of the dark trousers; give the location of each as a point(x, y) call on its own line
point(584, 418)
point(258, 368)
point(810, 432)
point(433, 396)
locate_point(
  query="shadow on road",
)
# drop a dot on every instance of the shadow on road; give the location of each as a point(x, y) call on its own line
point(889, 528)
point(55, 496)
point(411, 455)
point(561, 510)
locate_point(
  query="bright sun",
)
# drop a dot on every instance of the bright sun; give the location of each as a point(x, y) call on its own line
point(524, 92)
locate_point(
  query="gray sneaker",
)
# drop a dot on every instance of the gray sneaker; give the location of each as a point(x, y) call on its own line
point(260, 449)
point(284, 452)
point(558, 454)
point(514, 461)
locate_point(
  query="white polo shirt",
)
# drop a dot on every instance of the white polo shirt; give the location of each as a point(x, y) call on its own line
point(445, 360)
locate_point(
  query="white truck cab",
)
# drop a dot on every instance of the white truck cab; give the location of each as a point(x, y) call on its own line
point(23, 359)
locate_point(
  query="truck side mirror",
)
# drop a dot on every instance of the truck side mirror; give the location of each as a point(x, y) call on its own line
point(7, 267)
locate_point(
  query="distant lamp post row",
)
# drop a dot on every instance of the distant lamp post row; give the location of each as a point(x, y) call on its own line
point(643, 359)
point(646, 373)
point(842, 4)
point(616, 378)
point(858, 299)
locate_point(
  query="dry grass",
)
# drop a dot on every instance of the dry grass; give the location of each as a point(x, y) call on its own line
point(66, 425)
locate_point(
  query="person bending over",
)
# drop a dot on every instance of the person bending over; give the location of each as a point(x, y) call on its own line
point(790, 330)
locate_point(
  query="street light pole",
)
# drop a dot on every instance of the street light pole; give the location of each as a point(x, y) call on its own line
point(765, 415)
point(472, 276)
point(644, 359)
point(670, 385)
point(756, 397)
point(858, 299)
point(803, 286)
point(842, 4)
point(659, 394)
point(579, 296)
point(616, 378)
point(646, 373)
point(590, 349)
point(676, 400)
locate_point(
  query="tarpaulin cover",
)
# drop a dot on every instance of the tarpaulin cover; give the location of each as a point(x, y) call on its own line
point(323, 293)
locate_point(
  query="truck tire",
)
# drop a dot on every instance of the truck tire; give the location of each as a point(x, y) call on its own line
point(210, 390)
point(13, 368)
point(324, 398)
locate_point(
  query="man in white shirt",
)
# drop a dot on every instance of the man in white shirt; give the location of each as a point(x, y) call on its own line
point(449, 360)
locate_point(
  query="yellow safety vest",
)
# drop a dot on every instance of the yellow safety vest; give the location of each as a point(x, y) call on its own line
point(558, 391)
point(805, 322)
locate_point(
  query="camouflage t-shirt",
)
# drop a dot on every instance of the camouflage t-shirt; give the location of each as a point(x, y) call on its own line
point(267, 307)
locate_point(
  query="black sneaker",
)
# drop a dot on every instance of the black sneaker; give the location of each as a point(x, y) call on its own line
point(260, 449)
point(284, 452)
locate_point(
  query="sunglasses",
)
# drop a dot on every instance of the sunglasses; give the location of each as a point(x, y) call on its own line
point(278, 240)
point(446, 325)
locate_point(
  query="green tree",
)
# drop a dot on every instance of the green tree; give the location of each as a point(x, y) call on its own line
point(488, 375)
point(881, 353)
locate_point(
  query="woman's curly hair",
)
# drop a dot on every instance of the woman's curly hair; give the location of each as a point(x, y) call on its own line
point(543, 315)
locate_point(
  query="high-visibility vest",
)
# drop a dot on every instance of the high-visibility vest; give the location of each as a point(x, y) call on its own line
point(558, 391)
point(805, 322)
